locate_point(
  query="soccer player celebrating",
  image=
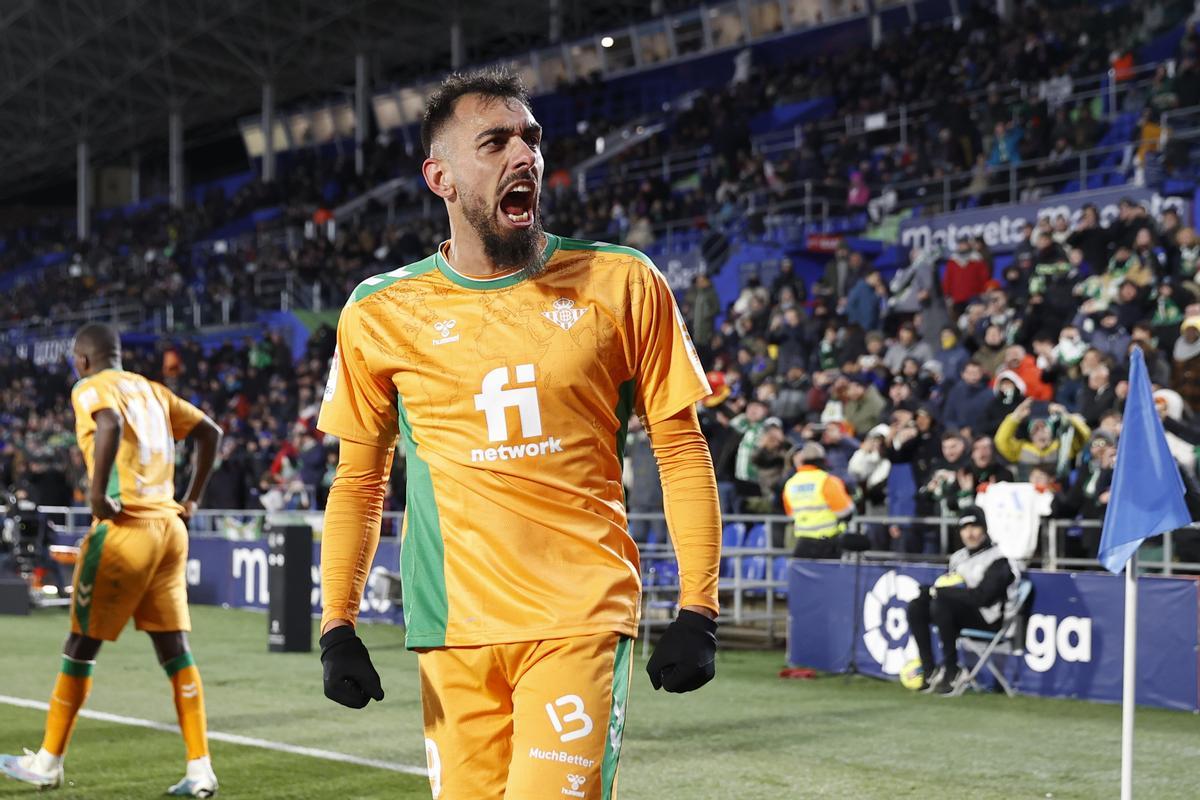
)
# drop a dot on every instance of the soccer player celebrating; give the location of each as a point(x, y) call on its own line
point(510, 361)
point(133, 559)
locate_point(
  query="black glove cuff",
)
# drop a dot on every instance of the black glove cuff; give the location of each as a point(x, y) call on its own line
point(336, 636)
point(697, 621)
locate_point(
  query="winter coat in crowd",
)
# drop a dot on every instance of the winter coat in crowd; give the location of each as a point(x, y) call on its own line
point(1025, 454)
point(864, 413)
point(1031, 376)
point(1003, 403)
point(965, 277)
point(911, 282)
point(967, 405)
point(894, 358)
point(1185, 370)
point(863, 306)
point(1112, 340)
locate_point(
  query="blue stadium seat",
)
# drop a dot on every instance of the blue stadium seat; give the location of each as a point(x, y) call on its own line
point(779, 566)
point(733, 536)
point(756, 536)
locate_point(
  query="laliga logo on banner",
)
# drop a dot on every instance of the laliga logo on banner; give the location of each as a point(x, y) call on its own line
point(1047, 639)
point(885, 621)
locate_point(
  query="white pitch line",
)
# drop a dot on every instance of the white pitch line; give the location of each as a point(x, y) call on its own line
point(230, 738)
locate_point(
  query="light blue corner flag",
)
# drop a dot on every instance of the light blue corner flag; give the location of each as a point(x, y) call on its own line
point(1146, 497)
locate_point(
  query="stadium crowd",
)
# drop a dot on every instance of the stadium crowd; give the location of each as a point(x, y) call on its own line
point(965, 373)
point(964, 378)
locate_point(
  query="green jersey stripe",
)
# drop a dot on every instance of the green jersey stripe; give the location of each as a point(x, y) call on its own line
point(622, 667)
point(81, 599)
point(422, 553)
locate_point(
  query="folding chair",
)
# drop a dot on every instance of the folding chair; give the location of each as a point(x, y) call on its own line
point(1009, 640)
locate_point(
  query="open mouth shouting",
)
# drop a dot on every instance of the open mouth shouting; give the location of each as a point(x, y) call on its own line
point(518, 204)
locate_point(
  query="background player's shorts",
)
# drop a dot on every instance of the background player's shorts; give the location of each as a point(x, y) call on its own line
point(134, 568)
point(526, 721)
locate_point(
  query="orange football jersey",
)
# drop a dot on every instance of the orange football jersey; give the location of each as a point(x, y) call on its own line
point(143, 475)
point(513, 395)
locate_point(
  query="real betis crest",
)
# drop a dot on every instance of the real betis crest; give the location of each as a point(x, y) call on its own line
point(564, 314)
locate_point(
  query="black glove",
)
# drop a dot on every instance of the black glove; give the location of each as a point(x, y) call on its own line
point(350, 677)
point(685, 658)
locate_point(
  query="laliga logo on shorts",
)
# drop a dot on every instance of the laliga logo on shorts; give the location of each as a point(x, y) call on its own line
point(885, 621)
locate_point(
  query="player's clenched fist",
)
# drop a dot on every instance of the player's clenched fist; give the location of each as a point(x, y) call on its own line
point(685, 658)
point(350, 677)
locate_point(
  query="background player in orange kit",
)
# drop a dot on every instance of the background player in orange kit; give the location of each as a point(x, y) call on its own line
point(133, 559)
point(510, 361)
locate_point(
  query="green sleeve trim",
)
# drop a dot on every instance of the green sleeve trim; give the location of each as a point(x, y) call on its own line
point(382, 281)
point(77, 669)
point(605, 247)
point(179, 663)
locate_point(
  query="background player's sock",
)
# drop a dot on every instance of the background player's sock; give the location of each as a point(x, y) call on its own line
point(189, 704)
point(71, 689)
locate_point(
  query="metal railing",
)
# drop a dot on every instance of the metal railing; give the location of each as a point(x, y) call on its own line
point(753, 605)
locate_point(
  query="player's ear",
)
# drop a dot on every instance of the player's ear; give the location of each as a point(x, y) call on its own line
point(438, 178)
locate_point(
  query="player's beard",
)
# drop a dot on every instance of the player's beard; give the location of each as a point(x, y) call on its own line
point(518, 248)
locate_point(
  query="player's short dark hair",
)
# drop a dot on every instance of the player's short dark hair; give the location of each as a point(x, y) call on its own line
point(493, 83)
point(99, 339)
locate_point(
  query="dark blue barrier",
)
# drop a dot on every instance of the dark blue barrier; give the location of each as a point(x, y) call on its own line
point(234, 574)
point(1073, 646)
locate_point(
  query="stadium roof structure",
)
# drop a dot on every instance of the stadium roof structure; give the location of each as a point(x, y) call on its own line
point(109, 71)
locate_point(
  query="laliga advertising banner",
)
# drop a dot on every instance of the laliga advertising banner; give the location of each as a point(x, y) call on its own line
point(234, 574)
point(1000, 226)
point(1073, 642)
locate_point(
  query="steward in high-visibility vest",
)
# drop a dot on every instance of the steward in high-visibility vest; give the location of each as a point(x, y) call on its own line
point(818, 504)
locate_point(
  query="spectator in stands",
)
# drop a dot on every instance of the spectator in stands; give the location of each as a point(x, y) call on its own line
point(971, 594)
point(1098, 396)
point(983, 468)
point(839, 277)
point(941, 490)
point(968, 399)
point(1109, 337)
point(703, 306)
point(990, 354)
point(1091, 239)
point(1008, 393)
point(966, 274)
point(1047, 437)
point(867, 301)
point(949, 353)
point(749, 425)
point(818, 504)
point(643, 488)
point(862, 405)
point(868, 470)
point(907, 345)
point(1087, 497)
point(1185, 370)
point(769, 459)
point(788, 333)
point(1024, 365)
point(913, 286)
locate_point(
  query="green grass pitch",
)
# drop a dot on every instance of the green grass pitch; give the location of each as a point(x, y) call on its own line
point(748, 735)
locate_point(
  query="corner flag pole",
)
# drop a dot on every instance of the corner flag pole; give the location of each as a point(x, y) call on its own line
point(1129, 686)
